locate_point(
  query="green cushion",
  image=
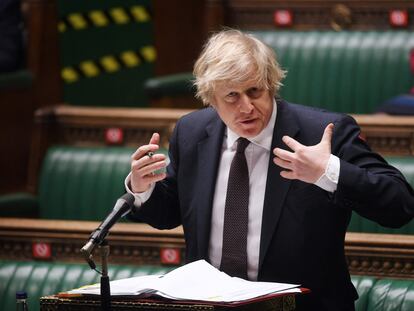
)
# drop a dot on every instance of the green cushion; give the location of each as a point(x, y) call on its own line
point(363, 285)
point(46, 278)
point(82, 183)
point(391, 295)
point(347, 71)
point(360, 224)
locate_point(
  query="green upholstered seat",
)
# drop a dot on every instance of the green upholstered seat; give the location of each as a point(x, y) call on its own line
point(47, 278)
point(363, 285)
point(347, 71)
point(383, 294)
point(391, 295)
point(80, 183)
point(360, 224)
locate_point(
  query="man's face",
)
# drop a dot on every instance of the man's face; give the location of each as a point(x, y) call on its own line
point(244, 108)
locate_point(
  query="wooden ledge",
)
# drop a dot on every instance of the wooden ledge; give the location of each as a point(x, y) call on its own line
point(381, 255)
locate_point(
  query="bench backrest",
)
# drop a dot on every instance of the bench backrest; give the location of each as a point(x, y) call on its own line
point(383, 294)
point(82, 183)
point(39, 279)
point(347, 71)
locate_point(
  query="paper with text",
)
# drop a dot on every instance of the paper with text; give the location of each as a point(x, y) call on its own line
point(195, 281)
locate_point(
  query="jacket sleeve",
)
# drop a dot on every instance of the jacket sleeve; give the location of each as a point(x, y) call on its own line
point(162, 209)
point(367, 184)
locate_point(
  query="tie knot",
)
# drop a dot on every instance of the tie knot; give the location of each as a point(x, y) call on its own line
point(242, 144)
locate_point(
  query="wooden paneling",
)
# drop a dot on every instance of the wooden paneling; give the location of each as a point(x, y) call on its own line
point(380, 255)
point(179, 34)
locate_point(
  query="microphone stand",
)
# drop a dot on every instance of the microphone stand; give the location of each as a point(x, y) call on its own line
point(105, 287)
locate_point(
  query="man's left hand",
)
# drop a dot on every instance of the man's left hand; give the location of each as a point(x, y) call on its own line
point(306, 163)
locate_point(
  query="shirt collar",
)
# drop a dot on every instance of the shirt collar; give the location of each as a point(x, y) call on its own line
point(264, 139)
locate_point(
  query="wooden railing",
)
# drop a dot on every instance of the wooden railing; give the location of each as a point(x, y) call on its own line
point(381, 255)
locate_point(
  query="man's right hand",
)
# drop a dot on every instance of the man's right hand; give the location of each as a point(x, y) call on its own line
point(143, 167)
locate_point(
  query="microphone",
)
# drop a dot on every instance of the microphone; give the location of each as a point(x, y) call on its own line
point(122, 207)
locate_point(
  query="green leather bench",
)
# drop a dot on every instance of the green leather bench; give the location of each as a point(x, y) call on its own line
point(360, 224)
point(347, 71)
point(39, 279)
point(383, 294)
point(46, 278)
point(75, 183)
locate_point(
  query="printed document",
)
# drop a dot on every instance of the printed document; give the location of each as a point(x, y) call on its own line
point(195, 281)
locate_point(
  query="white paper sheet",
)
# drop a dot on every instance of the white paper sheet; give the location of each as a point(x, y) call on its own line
point(195, 281)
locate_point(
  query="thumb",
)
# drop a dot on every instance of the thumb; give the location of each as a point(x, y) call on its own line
point(155, 139)
point(327, 134)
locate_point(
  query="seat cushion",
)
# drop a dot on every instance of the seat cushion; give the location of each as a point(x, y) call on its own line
point(347, 71)
point(391, 295)
point(82, 183)
point(363, 285)
point(46, 278)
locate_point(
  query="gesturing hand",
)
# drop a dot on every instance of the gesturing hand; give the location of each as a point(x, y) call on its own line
point(306, 163)
point(143, 166)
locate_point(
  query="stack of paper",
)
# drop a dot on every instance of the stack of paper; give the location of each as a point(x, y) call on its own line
point(195, 281)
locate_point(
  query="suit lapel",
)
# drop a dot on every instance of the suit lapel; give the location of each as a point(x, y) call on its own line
point(209, 151)
point(276, 186)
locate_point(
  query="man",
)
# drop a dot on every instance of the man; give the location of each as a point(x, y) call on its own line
point(307, 170)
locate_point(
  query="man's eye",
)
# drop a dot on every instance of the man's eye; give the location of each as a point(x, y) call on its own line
point(232, 97)
point(254, 92)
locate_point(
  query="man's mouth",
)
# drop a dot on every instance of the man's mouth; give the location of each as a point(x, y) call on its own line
point(248, 121)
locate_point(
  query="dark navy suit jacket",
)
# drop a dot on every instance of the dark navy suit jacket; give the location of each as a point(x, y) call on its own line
point(303, 227)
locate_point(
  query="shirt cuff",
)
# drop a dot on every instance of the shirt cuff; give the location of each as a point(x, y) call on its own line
point(329, 180)
point(140, 198)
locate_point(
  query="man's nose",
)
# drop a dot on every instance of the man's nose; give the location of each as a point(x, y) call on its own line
point(246, 104)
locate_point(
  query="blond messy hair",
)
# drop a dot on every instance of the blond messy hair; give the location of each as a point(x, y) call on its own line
point(233, 56)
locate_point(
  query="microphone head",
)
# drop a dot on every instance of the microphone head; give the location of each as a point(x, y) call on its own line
point(128, 198)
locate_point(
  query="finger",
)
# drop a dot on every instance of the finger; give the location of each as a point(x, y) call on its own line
point(150, 169)
point(143, 150)
point(155, 177)
point(284, 154)
point(146, 161)
point(291, 143)
point(288, 174)
point(155, 139)
point(282, 163)
point(327, 133)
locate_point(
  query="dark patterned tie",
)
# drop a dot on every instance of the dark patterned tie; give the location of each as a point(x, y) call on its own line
point(234, 253)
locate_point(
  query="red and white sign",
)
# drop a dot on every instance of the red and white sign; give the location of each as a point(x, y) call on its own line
point(170, 256)
point(283, 18)
point(399, 18)
point(42, 250)
point(114, 136)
